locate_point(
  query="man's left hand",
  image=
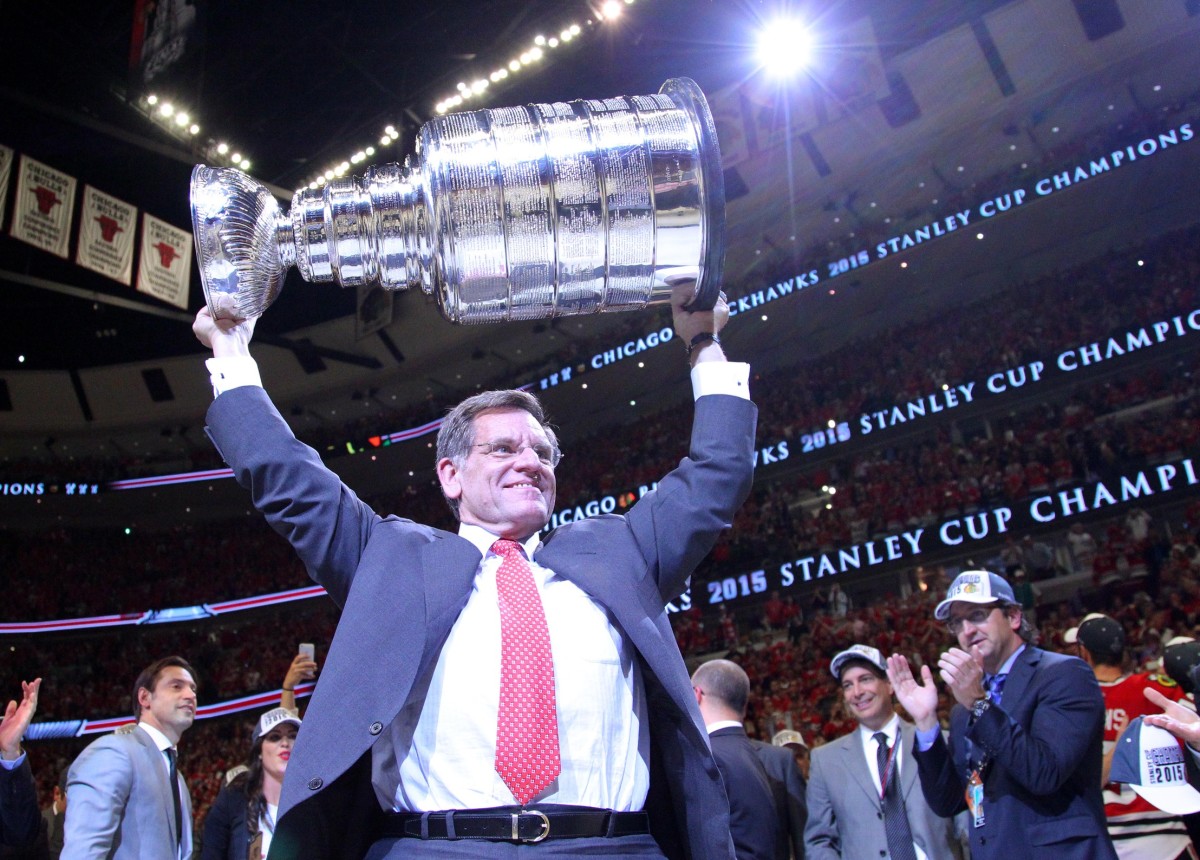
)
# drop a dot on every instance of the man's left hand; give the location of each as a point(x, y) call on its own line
point(688, 324)
point(16, 720)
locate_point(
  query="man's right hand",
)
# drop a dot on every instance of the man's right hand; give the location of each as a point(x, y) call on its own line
point(1175, 718)
point(16, 720)
point(225, 337)
point(919, 698)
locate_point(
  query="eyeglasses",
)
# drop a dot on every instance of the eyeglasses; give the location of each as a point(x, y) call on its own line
point(505, 451)
point(975, 616)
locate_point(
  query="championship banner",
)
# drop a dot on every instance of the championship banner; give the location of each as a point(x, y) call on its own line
point(6, 160)
point(851, 71)
point(775, 115)
point(374, 310)
point(726, 106)
point(165, 43)
point(166, 262)
point(106, 229)
point(44, 206)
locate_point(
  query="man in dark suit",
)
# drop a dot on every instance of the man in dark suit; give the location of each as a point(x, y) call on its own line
point(1024, 753)
point(54, 814)
point(411, 716)
point(779, 759)
point(756, 821)
point(20, 821)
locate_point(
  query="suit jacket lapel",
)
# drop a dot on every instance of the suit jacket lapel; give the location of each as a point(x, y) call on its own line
point(155, 761)
point(854, 758)
point(908, 764)
point(448, 566)
point(1018, 678)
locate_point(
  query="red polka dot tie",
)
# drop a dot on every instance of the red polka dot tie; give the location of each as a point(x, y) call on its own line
point(527, 724)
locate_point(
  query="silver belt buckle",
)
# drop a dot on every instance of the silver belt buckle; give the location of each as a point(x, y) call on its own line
point(516, 831)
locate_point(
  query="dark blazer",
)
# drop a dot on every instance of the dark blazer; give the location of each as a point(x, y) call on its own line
point(225, 836)
point(758, 832)
point(1042, 787)
point(54, 830)
point(402, 585)
point(20, 819)
point(787, 786)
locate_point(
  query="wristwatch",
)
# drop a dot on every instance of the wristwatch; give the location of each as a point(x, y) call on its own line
point(979, 707)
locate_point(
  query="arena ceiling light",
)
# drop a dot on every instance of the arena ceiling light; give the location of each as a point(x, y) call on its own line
point(785, 47)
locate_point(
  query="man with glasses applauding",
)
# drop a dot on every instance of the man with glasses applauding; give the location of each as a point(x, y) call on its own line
point(495, 691)
point(1024, 753)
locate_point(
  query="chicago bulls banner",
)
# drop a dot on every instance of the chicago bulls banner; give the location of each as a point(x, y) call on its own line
point(44, 206)
point(106, 229)
point(165, 267)
point(6, 160)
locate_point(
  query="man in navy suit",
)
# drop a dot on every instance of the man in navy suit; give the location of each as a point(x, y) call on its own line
point(400, 749)
point(756, 818)
point(1024, 753)
point(19, 816)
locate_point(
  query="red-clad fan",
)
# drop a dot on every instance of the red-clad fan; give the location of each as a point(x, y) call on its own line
point(1139, 831)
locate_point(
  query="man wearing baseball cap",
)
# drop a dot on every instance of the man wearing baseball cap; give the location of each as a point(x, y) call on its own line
point(1024, 753)
point(1139, 830)
point(863, 797)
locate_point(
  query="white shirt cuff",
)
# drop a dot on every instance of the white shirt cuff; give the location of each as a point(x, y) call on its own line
point(721, 377)
point(15, 763)
point(234, 372)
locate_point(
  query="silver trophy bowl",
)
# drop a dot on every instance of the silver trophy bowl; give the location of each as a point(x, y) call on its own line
point(502, 214)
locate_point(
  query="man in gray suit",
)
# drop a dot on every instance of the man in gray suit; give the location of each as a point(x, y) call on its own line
point(864, 797)
point(120, 800)
point(405, 748)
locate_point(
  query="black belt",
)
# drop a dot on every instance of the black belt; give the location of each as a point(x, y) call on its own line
point(515, 823)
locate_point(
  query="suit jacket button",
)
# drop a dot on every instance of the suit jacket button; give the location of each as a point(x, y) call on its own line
point(376, 727)
point(315, 783)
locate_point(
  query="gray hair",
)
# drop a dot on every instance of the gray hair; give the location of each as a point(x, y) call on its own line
point(457, 433)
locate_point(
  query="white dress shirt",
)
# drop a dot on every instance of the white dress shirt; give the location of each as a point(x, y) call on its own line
point(439, 753)
point(164, 743)
point(870, 750)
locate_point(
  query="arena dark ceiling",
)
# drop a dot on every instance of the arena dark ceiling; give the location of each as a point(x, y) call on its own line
point(297, 84)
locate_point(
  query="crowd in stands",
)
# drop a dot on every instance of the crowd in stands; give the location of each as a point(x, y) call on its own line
point(784, 643)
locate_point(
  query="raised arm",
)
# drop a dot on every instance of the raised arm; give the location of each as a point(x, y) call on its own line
point(676, 525)
point(301, 498)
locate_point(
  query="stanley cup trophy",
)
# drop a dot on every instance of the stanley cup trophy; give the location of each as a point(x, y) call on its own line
point(503, 214)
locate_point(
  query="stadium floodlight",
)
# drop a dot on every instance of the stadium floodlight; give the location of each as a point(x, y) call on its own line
point(785, 47)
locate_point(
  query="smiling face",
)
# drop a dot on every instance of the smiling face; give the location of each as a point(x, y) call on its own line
point(510, 498)
point(994, 637)
point(277, 750)
point(171, 706)
point(868, 696)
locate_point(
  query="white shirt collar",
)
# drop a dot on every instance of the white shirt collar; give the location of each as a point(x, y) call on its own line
point(482, 539)
point(891, 730)
point(722, 724)
point(1012, 658)
point(160, 740)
